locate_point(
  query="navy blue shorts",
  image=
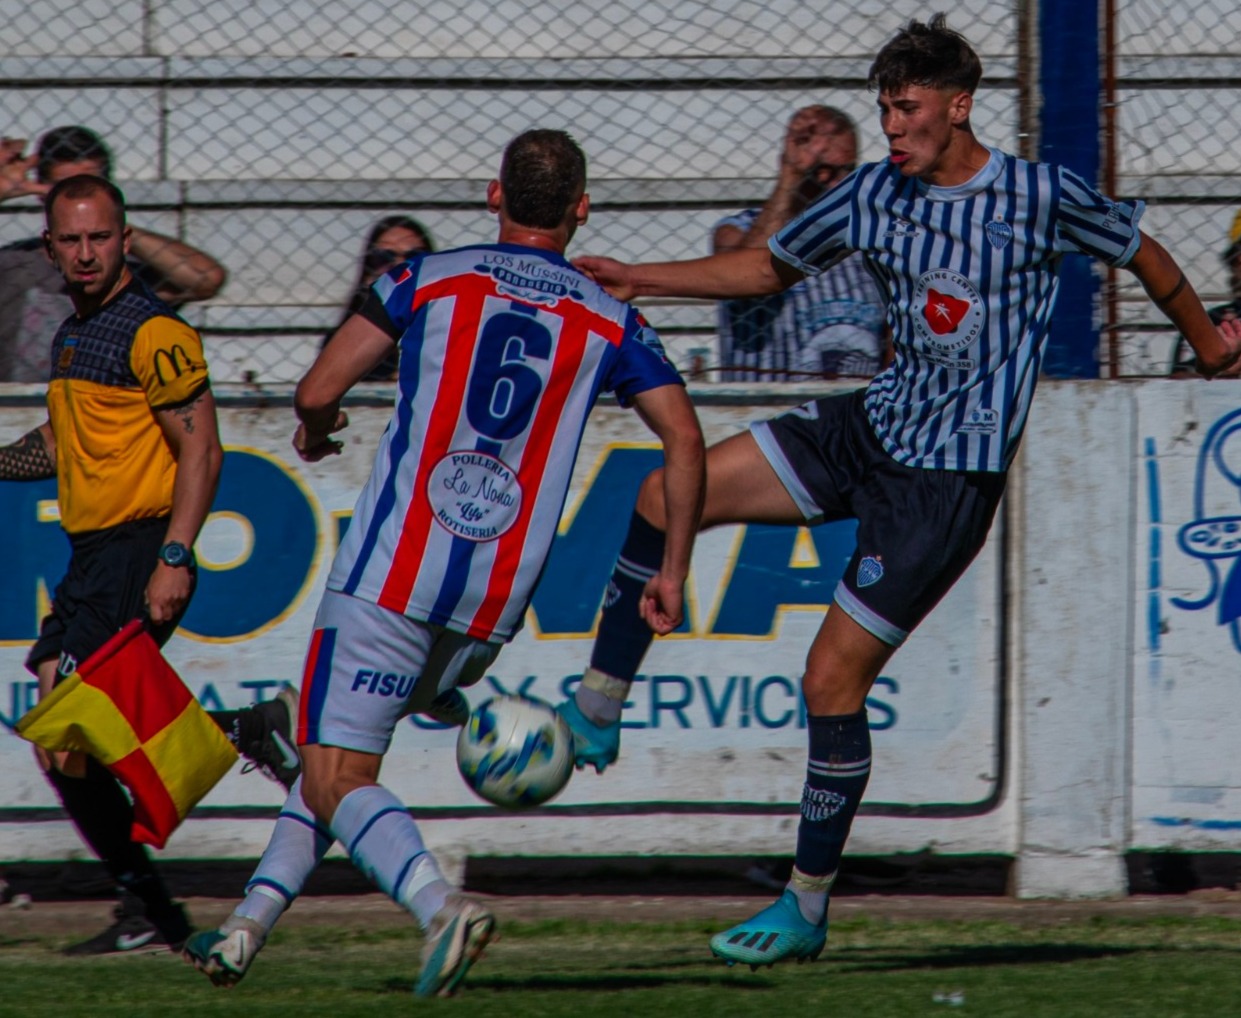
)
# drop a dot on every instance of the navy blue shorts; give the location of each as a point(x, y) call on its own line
point(918, 528)
point(103, 590)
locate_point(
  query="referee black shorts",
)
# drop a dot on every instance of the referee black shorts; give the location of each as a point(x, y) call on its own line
point(918, 528)
point(103, 590)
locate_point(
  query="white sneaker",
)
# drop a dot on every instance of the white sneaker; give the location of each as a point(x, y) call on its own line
point(224, 957)
point(454, 941)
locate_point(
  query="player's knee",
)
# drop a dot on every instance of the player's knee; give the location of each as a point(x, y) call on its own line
point(650, 503)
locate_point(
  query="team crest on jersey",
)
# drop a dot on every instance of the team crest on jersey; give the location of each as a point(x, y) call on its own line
point(998, 232)
point(869, 571)
point(474, 495)
point(948, 316)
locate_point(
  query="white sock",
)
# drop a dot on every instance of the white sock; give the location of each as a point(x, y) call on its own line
point(811, 894)
point(298, 843)
point(384, 843)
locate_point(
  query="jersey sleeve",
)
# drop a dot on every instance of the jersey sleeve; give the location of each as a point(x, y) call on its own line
point(396, 290)
point(640, 363)
point(1089, 223)
point(167, 359)
point(819, 237)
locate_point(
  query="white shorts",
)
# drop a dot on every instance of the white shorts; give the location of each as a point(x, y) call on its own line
point(368, 667)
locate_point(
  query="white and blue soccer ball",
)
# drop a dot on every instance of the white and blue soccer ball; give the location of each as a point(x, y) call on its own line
point(515, 752)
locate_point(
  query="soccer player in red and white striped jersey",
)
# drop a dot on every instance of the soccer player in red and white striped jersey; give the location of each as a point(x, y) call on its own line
point(503, 349)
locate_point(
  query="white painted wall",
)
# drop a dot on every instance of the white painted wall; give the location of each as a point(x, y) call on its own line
point(1116, 675)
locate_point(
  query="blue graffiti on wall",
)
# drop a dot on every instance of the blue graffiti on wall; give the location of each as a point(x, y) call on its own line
point(1214, 540)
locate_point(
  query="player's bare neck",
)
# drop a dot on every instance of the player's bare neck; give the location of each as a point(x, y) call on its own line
point(960, 162)
point(524, 236)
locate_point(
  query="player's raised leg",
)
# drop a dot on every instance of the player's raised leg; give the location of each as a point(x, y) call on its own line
point(740, 486)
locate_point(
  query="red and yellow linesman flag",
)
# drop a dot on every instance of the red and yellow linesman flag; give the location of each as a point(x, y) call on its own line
point(126, 707)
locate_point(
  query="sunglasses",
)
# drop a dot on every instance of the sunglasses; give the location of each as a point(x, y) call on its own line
point(380, 257)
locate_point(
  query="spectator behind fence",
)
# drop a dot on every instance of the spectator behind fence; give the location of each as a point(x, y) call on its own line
point(1184, 364)
point(34, 299)
point(828, 325)
point(393, 239)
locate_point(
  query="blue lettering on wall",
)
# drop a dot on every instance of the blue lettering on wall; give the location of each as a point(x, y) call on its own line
point(231, 603)
point(35, 551)
point(764, 578)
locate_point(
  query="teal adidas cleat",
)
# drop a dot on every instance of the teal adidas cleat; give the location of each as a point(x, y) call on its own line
point(776, 933)
point(592, 745)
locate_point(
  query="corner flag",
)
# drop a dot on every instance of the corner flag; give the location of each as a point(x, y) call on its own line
point(126, 707)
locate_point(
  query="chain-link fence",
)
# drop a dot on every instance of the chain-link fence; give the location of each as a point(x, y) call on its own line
point(1177, 81)
point(271, 135)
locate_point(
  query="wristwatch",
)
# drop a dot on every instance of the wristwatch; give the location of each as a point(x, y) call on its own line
point(175, 554)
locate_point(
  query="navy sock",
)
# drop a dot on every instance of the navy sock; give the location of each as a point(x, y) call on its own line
point(623, 637)
point(836, 777)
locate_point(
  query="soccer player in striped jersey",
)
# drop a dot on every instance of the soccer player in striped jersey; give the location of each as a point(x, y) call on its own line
point(965, 241)
point(828, 325)
point(503, 349)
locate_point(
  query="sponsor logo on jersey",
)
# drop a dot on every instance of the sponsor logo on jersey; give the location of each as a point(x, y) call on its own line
point(869, 571)
point(380, 683)
point(902, 228)
point(948, 317)
point(530, 280)
point(999, 233)
point(982, 421)
point(474, 495)
point(819, 804)
point(172, 363)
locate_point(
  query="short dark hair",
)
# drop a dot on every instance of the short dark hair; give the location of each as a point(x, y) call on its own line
point(542, 175)
point(83, 185)
point(930, 55)
point(71, 145)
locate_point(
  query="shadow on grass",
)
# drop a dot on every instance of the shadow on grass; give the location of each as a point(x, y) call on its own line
point(586, 983)
point(869, 960)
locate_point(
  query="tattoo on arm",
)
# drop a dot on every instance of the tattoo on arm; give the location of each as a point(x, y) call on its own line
point(26, 459)
point(185, 414)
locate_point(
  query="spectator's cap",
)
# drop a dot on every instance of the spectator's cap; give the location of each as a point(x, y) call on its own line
point(1234, 239)
point(72, 144)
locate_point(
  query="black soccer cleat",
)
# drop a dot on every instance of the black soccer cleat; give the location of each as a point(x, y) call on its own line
point(266, 738)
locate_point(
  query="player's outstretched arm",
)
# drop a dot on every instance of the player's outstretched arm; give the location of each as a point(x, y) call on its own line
point(1218, 350)
point(357, 347)
point(185, 273)
point(745, 272)
point(32, 457)
point(669, 413)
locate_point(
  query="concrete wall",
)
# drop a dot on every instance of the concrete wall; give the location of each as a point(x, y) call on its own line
point(1073, 698)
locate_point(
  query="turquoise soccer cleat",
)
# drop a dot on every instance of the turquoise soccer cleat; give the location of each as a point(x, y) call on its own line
point(592, 745)
point(223, 957)
point(776, 933)
point(454, 942)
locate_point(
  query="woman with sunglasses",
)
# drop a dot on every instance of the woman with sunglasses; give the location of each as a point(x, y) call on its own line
point(392, 240)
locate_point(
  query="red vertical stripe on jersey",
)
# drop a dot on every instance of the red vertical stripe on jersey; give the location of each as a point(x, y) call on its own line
point(449, 399)
point(570, 351)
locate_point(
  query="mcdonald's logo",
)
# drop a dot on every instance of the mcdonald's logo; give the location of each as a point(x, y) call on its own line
point(175, 360)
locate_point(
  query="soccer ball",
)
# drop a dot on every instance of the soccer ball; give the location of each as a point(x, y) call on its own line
point(515, 752)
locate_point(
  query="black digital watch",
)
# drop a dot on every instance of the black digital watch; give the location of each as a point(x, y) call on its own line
point(175, 554)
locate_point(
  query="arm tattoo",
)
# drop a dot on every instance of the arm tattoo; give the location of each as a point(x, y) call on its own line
point(1163, 302)
point(186, 415)
point(26, 459)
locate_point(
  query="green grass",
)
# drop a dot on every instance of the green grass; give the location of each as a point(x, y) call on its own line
point(1166, 967)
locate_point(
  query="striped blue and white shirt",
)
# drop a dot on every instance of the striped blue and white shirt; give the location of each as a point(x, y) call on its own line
point(970, 274)
point(825, 324)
